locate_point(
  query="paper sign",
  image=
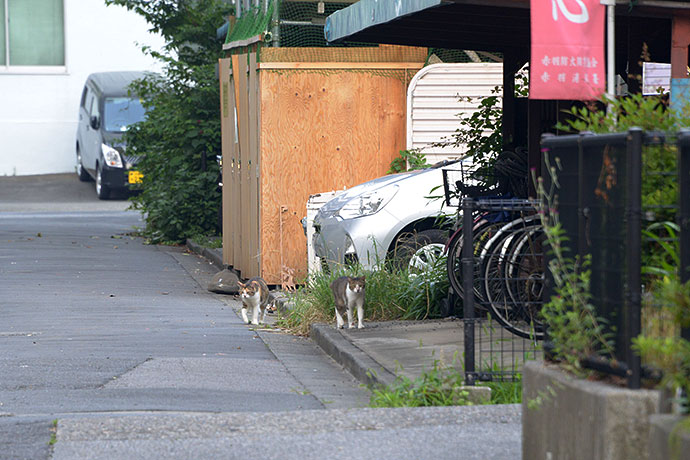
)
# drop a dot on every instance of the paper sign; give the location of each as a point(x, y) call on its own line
point(567, 49)
point(656, 77)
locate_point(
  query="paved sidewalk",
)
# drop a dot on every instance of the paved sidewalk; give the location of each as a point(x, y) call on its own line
point(390, 348)
point(381, 351)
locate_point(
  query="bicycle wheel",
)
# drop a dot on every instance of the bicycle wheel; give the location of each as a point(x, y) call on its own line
point(491, 264)
point(525, 279)
point(482, 231)
point(495, 258)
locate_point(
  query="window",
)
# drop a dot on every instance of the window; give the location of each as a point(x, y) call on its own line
point(93, 109)
point(120, 112)
point(32, 33)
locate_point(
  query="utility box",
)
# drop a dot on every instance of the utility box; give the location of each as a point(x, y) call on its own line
point(313, 205)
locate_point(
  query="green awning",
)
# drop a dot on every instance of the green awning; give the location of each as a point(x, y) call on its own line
point(369, 13)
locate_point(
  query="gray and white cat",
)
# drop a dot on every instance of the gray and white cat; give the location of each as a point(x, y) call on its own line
point(349, 294)
point(254, 295)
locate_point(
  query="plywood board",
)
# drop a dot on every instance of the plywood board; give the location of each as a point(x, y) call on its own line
point(227, 126)
point(318, 133)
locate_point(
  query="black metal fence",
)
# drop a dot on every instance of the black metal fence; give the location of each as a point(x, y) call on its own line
point(604, 180)
point(611, 188)
point(502, 266)
point(497, 257)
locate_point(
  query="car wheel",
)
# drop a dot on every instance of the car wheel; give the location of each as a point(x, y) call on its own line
point(419, 251)
point(102, 190)
point(81, 172)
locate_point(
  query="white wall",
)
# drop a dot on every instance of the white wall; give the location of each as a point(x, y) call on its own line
point(38, 112)
point(433, 103)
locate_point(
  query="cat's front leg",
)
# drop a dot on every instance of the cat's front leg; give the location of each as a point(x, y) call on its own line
point(349, 317)
point(255, 315)
point(360, 316)
point(244, 315)
point(339, 323)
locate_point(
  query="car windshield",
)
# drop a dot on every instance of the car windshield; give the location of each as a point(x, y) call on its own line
point(120, 112)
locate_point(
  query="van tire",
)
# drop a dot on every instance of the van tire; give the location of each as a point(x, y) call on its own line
point(102, 190)
point(81, 172)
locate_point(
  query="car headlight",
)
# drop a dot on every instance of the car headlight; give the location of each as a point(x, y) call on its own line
point(112, 156)
point(367, 203)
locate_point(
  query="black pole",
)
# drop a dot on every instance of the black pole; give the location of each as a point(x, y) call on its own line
point(583, 209)
point(468, 288)
point(684, 212)
point(634, 233)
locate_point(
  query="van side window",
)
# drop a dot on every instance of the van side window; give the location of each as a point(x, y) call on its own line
point(83, 97)
point(89, 101)
point(93, 110)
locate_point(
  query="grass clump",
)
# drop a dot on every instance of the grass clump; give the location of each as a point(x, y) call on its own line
point(390, 294)
point(506, 392)
point(441, 386)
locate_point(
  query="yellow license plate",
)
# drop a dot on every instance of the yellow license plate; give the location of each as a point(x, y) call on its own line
point(135, 177)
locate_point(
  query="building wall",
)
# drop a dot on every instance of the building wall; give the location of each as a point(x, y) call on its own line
point(38, 111)
point(437, 96)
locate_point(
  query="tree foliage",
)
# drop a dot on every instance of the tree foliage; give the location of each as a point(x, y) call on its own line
point(179, 139)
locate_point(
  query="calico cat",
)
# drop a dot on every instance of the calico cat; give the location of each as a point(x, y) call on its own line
point(349, 294)
point(254, 295)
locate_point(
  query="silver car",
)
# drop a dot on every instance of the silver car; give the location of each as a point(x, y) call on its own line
point(391, 218)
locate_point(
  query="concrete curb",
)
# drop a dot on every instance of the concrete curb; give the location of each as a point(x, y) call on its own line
point(215, 256)
point(358, 363)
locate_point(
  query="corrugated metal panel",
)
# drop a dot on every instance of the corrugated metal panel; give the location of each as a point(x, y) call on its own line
point(368, 13)
point(433, 103)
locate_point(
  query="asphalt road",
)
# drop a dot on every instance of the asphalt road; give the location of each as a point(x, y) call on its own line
point(110, 348)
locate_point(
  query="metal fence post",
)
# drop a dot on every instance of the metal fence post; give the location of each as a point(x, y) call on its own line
point(634, 234)
point(684, 212)
point(468, 288)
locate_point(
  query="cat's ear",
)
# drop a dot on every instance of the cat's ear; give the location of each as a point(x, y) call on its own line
point(239, 283)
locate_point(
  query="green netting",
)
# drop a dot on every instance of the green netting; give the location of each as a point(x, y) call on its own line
point(437, 55)
point(295, 34)
point(300, 24)
point(252, 23)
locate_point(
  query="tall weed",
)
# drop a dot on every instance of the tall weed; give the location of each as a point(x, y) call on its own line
point(390, 294)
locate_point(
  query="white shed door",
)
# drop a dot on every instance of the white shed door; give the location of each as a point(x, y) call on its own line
point(433, 103)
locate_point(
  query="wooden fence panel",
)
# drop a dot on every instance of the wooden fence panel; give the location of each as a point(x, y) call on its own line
point(253, 268)
point(236, 197)
point(227, 128)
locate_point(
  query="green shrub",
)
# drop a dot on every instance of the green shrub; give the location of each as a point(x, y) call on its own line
point(180, 138)
point(407, 160)
point(650, 113)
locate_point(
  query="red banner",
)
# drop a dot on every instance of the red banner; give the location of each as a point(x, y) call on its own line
point(567, 49)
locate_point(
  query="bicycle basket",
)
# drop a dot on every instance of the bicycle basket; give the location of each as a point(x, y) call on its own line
point(468, 181)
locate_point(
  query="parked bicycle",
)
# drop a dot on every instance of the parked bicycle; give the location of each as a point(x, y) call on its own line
point(507, 239)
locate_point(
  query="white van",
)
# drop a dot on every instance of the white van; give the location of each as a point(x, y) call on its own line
point(107, 108)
